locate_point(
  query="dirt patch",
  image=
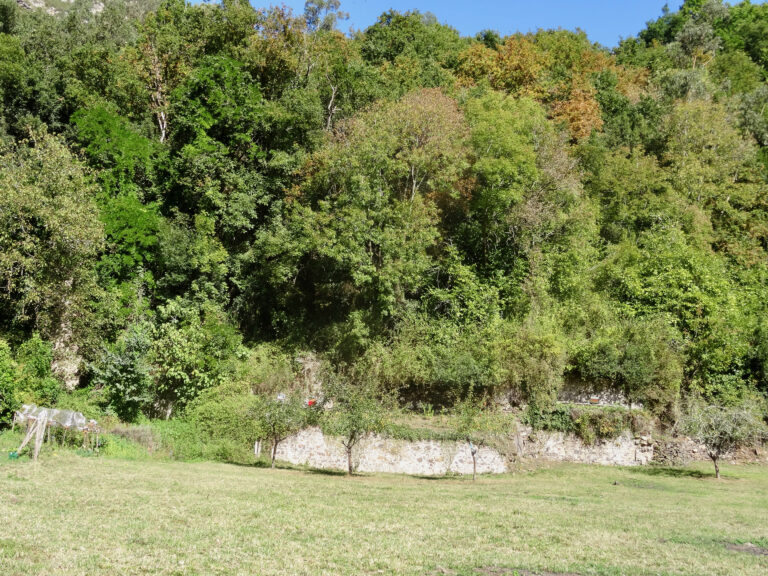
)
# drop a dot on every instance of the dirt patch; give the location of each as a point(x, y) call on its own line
point(502, 571)
point(749, 548)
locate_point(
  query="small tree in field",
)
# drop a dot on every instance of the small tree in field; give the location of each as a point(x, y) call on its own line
point(722, 429)
point(358, 410)
point(477, 423)
point(276, 419)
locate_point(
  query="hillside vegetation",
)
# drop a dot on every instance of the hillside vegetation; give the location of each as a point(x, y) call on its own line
point(221, 199)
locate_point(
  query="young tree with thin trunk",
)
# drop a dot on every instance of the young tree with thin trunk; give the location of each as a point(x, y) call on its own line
point(722, 429)
point(357, 411)
point(276, 419)
point(477, 422)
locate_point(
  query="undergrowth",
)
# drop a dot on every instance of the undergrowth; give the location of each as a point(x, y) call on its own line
point(590, 423)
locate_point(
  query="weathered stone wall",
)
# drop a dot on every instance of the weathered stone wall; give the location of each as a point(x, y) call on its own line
point(679, 451)
point(379, 454)
point(582, 393)
point(557, 446)
point(432, 458)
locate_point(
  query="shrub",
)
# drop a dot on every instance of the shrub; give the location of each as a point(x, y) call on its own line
point(588, 423)
point(534, 360)
point(36, 382)
point(8, 391)
point(224, 423)
point(265, 369)
point(89, 402)
point(434, 360)
point(124, 371)
point(559, 419)
point(180, 439)
point(640, 358)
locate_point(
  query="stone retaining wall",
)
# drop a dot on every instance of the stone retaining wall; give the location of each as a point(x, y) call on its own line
point(433, 458)
point(679, 451)
point(557, 446)
point(379, 454)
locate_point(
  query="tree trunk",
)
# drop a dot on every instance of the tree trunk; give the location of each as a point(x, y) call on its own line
point(274, 451)
point(331, 105)
point(66, 353)
point(473, 451)
point(716, 462)
point(159, 103)
point(350, 471)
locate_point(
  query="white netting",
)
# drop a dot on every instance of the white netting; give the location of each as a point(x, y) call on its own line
point(58, 418)
point(39, 420)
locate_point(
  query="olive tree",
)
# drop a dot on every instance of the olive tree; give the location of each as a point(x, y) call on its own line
point(722, 429)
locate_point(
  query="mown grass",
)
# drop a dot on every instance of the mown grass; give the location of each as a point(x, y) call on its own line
point(69, 514)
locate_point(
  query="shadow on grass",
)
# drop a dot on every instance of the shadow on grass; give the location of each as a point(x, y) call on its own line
point(286, 467)
point(670, 472)
point(325, 472)
point(254, 464)
point(447, 477)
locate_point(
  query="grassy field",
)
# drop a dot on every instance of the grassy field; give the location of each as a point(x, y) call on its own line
point(71, 514)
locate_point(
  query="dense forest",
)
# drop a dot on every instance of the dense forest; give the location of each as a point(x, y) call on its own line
point(214, 196)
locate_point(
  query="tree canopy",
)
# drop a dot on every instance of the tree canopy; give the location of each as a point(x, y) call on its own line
point(186, 185)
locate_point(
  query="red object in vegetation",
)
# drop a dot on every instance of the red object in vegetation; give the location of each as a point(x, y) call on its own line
point(311, 402)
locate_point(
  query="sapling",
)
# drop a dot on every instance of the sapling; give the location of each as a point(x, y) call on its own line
point(357, 411)
point(276, 419)
point(476, 421)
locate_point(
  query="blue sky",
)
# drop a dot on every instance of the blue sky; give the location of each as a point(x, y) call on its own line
point(605, 21)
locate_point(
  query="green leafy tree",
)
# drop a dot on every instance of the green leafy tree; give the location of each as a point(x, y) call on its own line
point(215, 145)
point(8, 16)
point(192, 350)
point(191, 259)
point(505, 168)
point(746, 28)
point(50, 236)
point(375, 194)
point(132, 231)
point(276, 419)
point(414, 41)
point(357, 411)
point(126, 158)
point(323, 14)
point(754, 114)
